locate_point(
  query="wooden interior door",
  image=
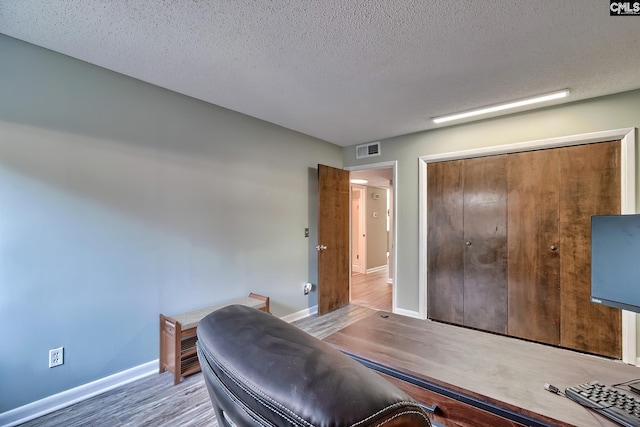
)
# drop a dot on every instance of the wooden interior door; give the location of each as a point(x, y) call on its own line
point(445, 242)
point(524, 224)
point(534, 258)
point(333, 238)
point(589, 185)
point(467, 242)
point(485, 240)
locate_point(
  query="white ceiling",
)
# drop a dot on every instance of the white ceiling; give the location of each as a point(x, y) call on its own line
point(376, 177)
point(345, 71)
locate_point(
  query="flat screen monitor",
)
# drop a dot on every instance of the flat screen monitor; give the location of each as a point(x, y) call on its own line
point(615, 261)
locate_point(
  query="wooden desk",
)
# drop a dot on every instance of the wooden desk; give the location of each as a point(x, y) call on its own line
point(477, 378)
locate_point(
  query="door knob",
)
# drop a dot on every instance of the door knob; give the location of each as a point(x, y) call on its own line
point(321, 247)
point(468, 243)
point(554, 248)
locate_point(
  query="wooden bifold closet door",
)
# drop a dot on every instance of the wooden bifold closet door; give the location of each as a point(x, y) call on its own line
point(534, 238)
point(590, 186)
point(467, 235)
point(485, 243)
point(509, 244)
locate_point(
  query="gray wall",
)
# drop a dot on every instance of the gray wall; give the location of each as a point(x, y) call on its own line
point(119, 201)
point(606, 113)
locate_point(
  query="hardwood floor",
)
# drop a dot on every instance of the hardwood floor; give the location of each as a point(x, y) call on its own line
point(372, 290)
point(155, 401)
point(152, 401)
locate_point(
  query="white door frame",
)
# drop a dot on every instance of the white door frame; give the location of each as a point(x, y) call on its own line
point(393, 165)
point(627, 202)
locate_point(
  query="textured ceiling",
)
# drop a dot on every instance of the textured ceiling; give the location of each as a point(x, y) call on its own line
point(345, 71)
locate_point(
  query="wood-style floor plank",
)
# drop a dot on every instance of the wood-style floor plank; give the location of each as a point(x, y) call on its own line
point(372, 290)
point(155, 401)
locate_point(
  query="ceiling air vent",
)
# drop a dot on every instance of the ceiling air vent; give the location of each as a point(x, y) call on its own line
point(368, 150)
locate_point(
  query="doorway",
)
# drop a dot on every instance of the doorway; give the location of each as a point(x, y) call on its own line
point(358, 226)
point(372, 236)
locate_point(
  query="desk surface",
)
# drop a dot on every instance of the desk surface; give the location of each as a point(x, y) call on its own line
point(507, 372)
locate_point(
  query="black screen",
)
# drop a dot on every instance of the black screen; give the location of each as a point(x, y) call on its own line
point(615, 261)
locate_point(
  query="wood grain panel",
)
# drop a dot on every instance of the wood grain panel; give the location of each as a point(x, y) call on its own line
point(333, 232)
point(451, 412)
point(590, 185)
point(445, 249)
point(534, 264)
point(485, 239)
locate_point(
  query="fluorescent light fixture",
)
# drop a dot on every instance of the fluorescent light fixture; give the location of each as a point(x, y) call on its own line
point(359, 181)
point(500, 107)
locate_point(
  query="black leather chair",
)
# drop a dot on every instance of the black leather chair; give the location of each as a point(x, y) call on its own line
point(260, 370)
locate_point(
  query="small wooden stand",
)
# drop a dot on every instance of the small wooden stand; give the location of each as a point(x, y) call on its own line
point(178, 336)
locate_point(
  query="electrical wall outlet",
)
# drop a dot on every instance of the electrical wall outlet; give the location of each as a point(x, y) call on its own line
point(56, 357)
point(307, 288)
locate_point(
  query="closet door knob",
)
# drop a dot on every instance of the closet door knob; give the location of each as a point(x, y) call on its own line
point(554, 248)
point(468, 243)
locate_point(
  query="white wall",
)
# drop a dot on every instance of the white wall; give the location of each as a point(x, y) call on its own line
point(119, 201)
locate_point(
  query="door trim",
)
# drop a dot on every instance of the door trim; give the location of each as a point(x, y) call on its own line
point(393, 165)
point(627, 203)
point(362, 240)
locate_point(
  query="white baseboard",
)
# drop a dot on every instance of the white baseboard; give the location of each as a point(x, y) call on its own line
point(408, 313)
point(300, 314)
point(376, 269)
point(66, 398)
